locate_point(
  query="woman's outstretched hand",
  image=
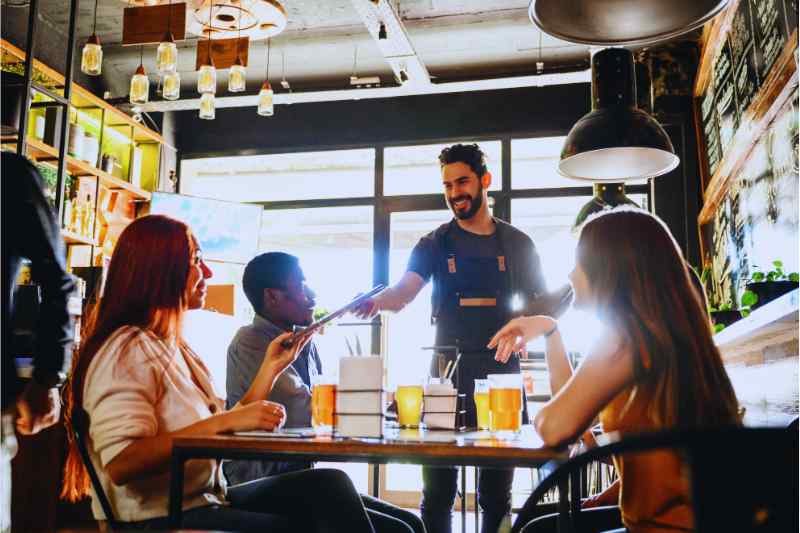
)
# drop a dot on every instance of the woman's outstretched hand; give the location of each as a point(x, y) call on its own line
point(279, 357)
point(514, 336)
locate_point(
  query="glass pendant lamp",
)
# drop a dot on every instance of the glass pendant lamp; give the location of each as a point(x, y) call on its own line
point(265, 106)
point(167, 53)
point(207, 75)
point(140, 84)
point(207, 106)
point(171, 85)
point(237, 77)
point(92, 55)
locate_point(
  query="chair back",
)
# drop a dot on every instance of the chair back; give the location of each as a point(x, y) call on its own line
point(80, 423)
point(742, 479)
point(745, 480)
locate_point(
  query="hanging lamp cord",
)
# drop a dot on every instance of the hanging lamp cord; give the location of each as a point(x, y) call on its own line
point(94, 24)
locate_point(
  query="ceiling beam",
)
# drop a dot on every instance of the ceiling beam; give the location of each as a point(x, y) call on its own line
point(539, 80)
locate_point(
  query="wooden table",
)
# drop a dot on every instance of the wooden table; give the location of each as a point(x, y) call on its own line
point(397, 446)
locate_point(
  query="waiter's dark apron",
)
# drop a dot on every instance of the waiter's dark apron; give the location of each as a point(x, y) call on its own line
point(475, 295)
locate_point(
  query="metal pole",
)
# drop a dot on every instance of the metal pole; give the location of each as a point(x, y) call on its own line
point(62, 145)
point(26, 97)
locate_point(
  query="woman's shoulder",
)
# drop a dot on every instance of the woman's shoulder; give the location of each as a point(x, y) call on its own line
point(127, 348)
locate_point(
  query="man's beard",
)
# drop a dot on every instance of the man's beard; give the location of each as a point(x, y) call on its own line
point(474, 205)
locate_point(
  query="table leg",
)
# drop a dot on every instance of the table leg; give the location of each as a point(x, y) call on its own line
point(176, 489)
point(477, 508)
point(376, 480)
point(575, 498)
point(464, 498)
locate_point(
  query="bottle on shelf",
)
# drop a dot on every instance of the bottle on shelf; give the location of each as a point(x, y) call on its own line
point(75, 215)
point(86, 217)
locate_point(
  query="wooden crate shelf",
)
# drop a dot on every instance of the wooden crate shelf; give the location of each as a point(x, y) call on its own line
point(74, 238)
point(41, 151)
point(774, 323)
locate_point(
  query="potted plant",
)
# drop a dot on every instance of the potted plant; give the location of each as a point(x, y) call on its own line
point(763, 287)
point(724, 316)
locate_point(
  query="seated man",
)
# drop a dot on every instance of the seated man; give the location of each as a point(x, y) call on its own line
point(275, 285)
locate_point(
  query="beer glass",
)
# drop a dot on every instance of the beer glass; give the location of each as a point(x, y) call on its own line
point(482, 403)
point(409, 405)
point(505, 404)
point(323, 403)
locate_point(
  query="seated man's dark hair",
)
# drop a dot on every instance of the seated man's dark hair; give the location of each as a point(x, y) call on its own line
point(469, 154)
point(267, 271)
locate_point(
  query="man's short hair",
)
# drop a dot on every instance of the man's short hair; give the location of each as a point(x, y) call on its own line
point(469, 154)
point(267, 271)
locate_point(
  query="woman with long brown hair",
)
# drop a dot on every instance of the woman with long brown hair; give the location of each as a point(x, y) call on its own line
point(141, 385)
point(656, 366)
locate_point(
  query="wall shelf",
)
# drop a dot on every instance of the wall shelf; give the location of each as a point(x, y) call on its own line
point(74, 238)
point(41, 151)
point(774, 323)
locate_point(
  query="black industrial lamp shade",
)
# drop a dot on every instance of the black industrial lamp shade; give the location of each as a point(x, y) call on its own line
point(621, 22)
point(616, 141)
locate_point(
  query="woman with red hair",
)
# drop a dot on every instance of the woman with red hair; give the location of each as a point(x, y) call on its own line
point(141, 385)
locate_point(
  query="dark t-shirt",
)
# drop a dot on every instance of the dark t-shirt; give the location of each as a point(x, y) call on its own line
point(517, 247)
point(463, 243)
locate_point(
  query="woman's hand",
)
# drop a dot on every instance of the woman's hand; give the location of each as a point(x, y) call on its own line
point(260, 414)
point(610, 496)
point(517, 333)
point(278, 358)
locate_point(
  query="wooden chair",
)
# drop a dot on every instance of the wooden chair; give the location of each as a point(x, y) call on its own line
point(741, 479)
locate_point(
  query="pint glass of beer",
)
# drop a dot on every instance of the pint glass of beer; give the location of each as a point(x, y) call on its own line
point(409, 405)
point(505, 404)
point(323, 403)
point(482, 403)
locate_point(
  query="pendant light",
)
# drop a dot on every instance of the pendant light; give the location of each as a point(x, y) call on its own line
point(140, 84)
point(621, 22)
point(237, 77)
point(167, 53)
point(171, 85)
point(207, 106)
point(92, 55)
point(207, 75)
point(265, 106)
point(616, 141)
point(606, 196)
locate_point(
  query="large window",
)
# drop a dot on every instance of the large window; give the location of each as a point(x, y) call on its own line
point(281, 177)
point(416, 170)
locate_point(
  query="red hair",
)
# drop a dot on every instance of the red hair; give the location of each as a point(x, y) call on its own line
point(145, 287)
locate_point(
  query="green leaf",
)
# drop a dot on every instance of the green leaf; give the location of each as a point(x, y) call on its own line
point(758, 276)
point(778, 264)
point(772, 275)
point(749, 299)
point(725, 307)
point(718, 327)
point(794, 277)
point(745, 312)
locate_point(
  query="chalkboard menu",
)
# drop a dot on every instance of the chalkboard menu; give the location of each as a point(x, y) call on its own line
point(743, 56)
point(725, 98)
point(769, 27)
point(758, 33)
point(708, 114)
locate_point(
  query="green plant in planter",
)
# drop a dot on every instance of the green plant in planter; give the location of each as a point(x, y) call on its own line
point(750, 298)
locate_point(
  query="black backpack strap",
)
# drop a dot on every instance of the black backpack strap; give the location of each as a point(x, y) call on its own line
point(440, 241)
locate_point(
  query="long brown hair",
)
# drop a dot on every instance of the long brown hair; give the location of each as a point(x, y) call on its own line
point(641, 285)
point(145, 287)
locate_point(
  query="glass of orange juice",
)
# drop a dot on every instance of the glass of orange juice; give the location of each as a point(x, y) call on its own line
point(482, 403)
point(409, 405)
point(505, 404)
point(323, 403)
